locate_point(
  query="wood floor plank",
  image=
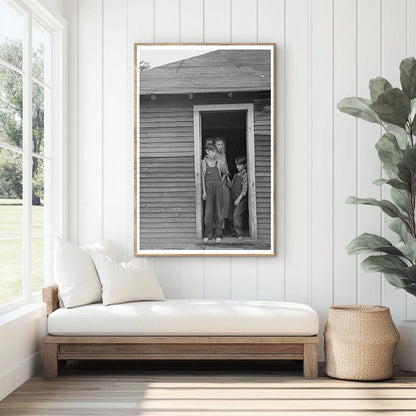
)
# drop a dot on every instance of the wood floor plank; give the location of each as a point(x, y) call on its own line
point(95, 389)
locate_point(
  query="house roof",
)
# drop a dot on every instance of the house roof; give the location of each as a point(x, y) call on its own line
point(225, 70)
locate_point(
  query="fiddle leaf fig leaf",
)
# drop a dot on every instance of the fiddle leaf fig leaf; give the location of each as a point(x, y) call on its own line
point(380, 182)
point(410, 158)
point(395, 183)
point(398, 184)
point(400, 228)
point(359, 107)
point(408, 249)
point(410, 272)
point(378, 86)
point(412, 109)
point(366, 243)
point(404, 173)
point(392, 107)
point(397, 280)
point(389, 151)
point(388, 207)
point(411, 289)
point(400, 198)
point(395, 270)
point(402, 139)
point(408, 77)
point(414, 126)
point(381, 263)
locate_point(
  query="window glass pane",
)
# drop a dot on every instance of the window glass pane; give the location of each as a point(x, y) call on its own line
point(11, 226)
point(38, 118)
point(11, 106)
point(11, 34)
point(41, 46)
point(38, 229)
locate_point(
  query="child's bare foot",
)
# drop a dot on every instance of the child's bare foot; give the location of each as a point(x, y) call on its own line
point(205, 240)
point(240, 238)
point(218, 240)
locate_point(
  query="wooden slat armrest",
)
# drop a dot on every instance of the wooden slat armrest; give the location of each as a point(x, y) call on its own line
point(50, 297)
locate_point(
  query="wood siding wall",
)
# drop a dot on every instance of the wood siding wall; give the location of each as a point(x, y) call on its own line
point(167, 180)
point(167, 170)
point(262, 132)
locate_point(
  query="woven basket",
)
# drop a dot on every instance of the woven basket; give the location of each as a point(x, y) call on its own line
point(360, 341)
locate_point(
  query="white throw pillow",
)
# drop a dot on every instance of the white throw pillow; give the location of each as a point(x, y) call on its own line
point(104, 247)
point(126, 282)
point(75, 273)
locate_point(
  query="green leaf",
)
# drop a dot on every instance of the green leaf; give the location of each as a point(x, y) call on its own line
point(396, 271)
point(395, 183)
point(400, 228)
point(378, 86)
point(412, 115)
point(389, 151)
point(400, 198)
point(392, 107)
point(390, 173)
point(397, 280)
point(412, 109)
point(366, 243)
point(380, 182)
point(408, 249)
point(359, 107)
point(381, 263)
point(410, 272)
point(410, 158)
point(388, 207)
point(404, 173)
point(401, 139)
point(408, 77)
point(411, 289)
point(398, 184)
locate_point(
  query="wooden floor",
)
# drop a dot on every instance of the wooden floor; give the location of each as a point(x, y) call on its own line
point(226, 389)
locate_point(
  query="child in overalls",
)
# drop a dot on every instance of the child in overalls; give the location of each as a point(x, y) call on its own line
point(212, 194)
point(238, 205)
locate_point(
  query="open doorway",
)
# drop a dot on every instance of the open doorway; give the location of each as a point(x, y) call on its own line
point(234, 124)
point(231, 127)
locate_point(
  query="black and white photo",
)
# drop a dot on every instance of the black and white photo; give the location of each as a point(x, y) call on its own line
point(204, 149)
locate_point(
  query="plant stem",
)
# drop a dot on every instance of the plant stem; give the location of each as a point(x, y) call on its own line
point(412, 196)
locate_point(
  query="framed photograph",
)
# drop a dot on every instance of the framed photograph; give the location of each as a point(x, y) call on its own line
point(204, 150)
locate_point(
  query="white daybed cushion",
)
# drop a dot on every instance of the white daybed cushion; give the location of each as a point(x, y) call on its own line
point(187, 317)
point(126, 282)
point(75, 273)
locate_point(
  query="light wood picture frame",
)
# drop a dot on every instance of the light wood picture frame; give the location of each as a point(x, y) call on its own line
point(204, 131)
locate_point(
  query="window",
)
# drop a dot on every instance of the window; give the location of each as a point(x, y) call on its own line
point(31, 140)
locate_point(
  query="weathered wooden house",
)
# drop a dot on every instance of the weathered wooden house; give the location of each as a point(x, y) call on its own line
point(182, 104)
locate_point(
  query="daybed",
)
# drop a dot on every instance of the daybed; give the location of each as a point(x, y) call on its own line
point(181, 329)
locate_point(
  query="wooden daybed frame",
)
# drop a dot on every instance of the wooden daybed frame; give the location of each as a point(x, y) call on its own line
point(58, 349)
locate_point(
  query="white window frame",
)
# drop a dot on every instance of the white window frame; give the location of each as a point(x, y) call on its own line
point(58, 213)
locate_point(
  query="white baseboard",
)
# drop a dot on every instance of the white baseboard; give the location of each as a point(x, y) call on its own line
point(10, 380)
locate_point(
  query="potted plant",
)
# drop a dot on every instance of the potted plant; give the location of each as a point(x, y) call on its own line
point(394, 109)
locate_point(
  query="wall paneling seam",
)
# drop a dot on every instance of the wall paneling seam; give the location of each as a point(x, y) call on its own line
point(382, 73)
point(332, 153)
point(102, 119)
point(77, 130)
point(309, 153)
point(357, 146)
point(284, 135)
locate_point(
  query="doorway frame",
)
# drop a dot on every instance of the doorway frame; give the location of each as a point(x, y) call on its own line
point(251, 168)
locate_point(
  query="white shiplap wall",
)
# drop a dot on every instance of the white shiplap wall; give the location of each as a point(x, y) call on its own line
point(326, 50)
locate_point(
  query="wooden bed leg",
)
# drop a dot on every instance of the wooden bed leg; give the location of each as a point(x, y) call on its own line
point(310, 360)
point(50, 360)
